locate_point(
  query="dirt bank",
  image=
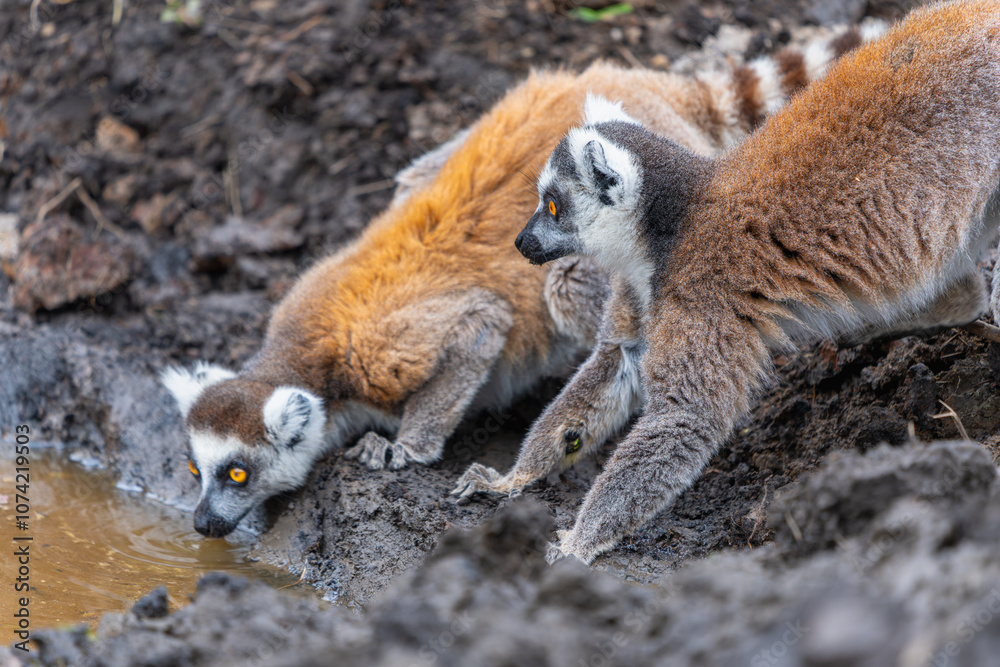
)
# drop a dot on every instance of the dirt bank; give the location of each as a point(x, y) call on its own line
point(881, 559)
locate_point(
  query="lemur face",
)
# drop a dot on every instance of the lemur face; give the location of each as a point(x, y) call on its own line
point(589, 193)
point(248, 441)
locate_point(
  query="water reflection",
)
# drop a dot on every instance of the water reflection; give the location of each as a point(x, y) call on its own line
point(98, 549)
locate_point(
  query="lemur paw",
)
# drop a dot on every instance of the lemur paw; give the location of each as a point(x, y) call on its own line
point(372, 450)
point(479, 478)
point(567, 546)
point(555, 551)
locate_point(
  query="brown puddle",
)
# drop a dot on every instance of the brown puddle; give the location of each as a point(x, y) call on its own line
point(97, 549)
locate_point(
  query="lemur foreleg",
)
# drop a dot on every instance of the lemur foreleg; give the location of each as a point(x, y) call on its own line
point(706, 369)
point(593, 406)
point(473, 342)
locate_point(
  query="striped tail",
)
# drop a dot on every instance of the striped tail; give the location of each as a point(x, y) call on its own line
point(752, 92)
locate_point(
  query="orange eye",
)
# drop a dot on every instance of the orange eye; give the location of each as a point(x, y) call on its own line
point(552, 207)
point(193, 468)
point(238, 475)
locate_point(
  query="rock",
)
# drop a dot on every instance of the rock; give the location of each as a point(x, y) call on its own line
point(152, 214)
point(9, 239)
point(853, 488)
point(152, 605)
point(121, 190)
point(216, 248)
point(60, 262)
point(114, 136)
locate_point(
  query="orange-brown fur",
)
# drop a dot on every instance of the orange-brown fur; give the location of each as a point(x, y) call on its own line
point(458, 233)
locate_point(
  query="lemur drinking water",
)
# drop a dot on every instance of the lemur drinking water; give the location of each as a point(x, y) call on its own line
point(861, 208)
point(431, 313)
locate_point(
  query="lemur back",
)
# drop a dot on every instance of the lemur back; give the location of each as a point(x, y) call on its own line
point(861, 207)
point(878, 199)
point(431, 312)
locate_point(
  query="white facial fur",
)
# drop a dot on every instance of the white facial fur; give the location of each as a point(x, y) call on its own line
point(297, 434)
point(211, 452)
point(293, 415)
point(607, 230)
point(222, 503)
point(186, 386)
point(294, 421)
point(598, 109)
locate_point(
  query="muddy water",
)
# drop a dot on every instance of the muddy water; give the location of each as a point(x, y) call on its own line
point(97, 549)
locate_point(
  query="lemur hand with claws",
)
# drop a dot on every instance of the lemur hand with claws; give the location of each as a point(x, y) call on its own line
point(861, 208)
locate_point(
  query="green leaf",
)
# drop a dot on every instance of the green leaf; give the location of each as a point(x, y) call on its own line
point(588, 15)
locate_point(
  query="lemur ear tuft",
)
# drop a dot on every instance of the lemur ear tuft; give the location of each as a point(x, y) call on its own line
point(595, 165)
point(292, 416)
point(186, 386)
point(599, 109)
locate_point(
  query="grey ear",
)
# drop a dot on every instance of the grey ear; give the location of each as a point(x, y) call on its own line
point(596, 165)
point(292, 416)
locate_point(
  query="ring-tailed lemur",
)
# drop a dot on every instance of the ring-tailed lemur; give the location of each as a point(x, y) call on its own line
point(863, 206)
point(431, 312)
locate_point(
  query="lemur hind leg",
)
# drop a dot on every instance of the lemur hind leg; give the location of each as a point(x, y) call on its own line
point(473, 341)
point(960, 303)
point(593, 406)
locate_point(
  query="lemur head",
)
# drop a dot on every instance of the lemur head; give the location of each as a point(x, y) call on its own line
point(611, 189)
point(248, 440)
